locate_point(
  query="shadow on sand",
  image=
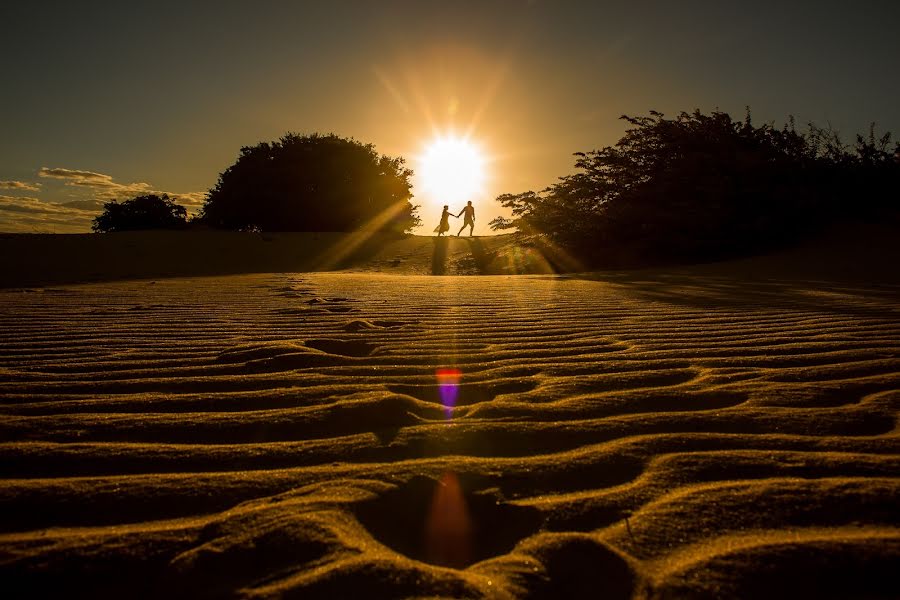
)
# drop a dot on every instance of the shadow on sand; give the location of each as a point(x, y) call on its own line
point(439, 256)
point(880, 300)
point(481, 258)
point(478, 261)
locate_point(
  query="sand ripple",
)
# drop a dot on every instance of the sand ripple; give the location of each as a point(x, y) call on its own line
point(290, 434)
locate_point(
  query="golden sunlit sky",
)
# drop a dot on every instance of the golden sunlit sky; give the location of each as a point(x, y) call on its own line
point(108, 100)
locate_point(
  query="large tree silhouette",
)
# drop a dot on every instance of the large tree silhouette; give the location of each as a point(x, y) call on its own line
point(701, 186)
point(143, 212)
point(312, 183)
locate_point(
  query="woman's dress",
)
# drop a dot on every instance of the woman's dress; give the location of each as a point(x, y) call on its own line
point(445, 223)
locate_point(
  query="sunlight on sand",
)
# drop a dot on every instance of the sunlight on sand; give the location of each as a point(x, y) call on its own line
point(334, 256)
point(674, 434)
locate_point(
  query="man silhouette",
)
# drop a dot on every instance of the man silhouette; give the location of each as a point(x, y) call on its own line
point(469, 219)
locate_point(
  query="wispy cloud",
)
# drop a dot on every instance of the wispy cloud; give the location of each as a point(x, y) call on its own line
point(103, 187)
point(89, 192)
point(92, 205)
point(19, 185)
point(190, 200)
point(102, 184)
point(25, 214)
point(74, 175)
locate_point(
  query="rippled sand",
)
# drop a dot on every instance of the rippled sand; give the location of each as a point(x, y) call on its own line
point(288, 434)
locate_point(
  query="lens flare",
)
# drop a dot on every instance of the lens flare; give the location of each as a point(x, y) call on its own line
point(448, 388)
point(448, 531)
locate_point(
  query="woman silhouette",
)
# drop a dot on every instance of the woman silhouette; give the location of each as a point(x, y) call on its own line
point(445, 222)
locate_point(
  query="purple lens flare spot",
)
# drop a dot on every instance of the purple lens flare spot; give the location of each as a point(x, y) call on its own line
point(448, 388)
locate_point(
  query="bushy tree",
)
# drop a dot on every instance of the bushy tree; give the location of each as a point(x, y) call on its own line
point(143, 212)
point(704, 186)
point(312, 183)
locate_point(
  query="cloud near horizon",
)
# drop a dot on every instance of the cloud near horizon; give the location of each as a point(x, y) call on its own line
point(73, 174)
point(27, 214)
point(105, 188)
point(103, 185)
point(19, 185)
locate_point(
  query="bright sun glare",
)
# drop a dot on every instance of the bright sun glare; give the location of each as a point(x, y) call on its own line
point(451, 171)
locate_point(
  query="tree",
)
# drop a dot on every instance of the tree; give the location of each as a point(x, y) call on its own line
point(143, 212)
point(700, 187)
point(312, 183)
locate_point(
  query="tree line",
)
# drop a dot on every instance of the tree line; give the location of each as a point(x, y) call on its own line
point(704, 186)
point(297, 183)
point(693, 187)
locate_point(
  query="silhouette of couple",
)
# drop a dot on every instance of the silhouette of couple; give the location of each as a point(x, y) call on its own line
point(468, 220)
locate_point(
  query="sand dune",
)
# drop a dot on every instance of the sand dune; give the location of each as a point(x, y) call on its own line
point(672, 433)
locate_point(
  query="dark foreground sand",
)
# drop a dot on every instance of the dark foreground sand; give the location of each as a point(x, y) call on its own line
point(47, 259)
point(700, 432)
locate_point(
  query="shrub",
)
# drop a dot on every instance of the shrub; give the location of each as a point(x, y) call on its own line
point(143, 212)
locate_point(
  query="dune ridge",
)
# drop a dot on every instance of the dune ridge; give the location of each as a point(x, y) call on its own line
point(287, 435)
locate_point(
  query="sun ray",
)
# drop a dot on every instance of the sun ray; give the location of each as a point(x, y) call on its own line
point(391, 89)
point(353, 241)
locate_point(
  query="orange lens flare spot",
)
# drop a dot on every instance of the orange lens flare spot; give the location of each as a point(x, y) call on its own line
point(451, 376)
point(448, 531)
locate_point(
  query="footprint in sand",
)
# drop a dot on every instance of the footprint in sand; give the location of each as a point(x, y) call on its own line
point(364, 325)
point(332, 304)
point(340, 309)
point(297, 311)
point(293, 290)
point(320, 300)
point(352, 348)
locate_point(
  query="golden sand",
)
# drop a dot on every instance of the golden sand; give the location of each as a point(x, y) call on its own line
point(681, 433)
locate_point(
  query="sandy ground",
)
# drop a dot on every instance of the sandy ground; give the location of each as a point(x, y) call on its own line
point(702, 432)
point(45, 259)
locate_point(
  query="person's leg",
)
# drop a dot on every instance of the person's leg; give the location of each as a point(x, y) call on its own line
point(460, 230)
point(471, 229)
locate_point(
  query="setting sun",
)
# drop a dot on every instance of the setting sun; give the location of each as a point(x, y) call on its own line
point(451, 170)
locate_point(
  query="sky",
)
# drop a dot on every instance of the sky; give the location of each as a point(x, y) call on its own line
point(107, 100)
